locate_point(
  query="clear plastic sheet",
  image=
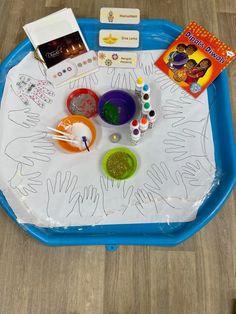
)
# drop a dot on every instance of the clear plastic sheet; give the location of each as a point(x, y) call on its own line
point(48, 187)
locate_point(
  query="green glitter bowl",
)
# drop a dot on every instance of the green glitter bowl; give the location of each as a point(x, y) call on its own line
point(119, 163)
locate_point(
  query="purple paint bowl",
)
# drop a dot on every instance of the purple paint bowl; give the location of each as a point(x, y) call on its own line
point(116, 107)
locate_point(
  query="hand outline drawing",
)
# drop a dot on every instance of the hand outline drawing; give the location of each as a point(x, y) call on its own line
point(28, 88)
point(24, 117)
point(122, 78)
point(174, 110)
point(120, 199)
point(88, 201)
point(39, 148)
point(165, 83)
point(25, 183)
point(145, 203)
point(179, 144)
point(146, 63)
point(62, 194)
point(89, 81)
point(163, 180)
point(195, 174)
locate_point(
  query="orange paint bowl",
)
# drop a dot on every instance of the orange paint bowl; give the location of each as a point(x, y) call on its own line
point(65, 122)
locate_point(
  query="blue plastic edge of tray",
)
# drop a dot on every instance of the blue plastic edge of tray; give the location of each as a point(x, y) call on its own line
point(112, 240)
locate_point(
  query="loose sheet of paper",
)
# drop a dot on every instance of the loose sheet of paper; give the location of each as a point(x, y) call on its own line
point(48, 187)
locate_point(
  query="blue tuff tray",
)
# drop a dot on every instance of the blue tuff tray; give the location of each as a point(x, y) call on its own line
point(156, 34)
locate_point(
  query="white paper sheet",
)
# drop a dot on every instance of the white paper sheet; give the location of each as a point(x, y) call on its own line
point(48, 187)
point(50, 27)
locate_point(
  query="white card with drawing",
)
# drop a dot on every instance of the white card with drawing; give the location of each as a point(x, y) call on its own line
point(120, 15)
point(71, 69)
point(117, 59)
point(119, 38)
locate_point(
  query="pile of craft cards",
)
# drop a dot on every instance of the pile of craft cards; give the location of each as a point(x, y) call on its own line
point(56, 36)
point(61, 46)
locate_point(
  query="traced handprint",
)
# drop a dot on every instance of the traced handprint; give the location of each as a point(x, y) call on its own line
point(166, 185)
point(168, 211)
point(24, 117)
point(175, 111)
point(187, 99)
point(62, 196)
point(88, 201)
point(89, 81)
point(27, 88)
point(165, 83)
point(196, 174)
point(115, 196)
point(171, 196)
point(184, 145)
point(122, 78)
point(146, 63)
point(27, 149)
point(145, 203)
point(25, 183)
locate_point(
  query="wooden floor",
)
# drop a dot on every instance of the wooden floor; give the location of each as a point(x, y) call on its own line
point(197, 277)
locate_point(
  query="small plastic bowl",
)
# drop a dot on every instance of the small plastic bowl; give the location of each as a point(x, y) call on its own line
point(119, 163)
point(65, 122)
point(116, 107)
point(82, 101)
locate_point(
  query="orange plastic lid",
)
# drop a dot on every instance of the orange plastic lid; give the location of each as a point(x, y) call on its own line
point(65, 122)
point(144, 121)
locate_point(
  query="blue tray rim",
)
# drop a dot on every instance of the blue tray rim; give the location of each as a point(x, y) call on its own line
point(127, 239)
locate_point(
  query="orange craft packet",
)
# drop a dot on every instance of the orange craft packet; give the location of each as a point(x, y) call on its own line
point(195, 59)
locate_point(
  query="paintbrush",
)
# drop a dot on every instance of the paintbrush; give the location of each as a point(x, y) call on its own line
point(84, 139)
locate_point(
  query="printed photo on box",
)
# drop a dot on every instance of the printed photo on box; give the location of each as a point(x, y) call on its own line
point(59, 49)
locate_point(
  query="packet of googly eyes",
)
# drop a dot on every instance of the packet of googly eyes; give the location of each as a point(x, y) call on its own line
point(61, 47)
point(195, 59)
